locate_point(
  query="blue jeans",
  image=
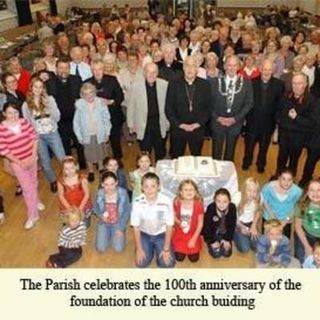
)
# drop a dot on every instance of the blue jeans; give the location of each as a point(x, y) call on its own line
point(53, 142)
point(106, 236)
point(153, 245)
point(299, 248)
point(244, 243)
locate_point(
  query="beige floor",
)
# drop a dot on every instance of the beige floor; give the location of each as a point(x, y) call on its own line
point(20, 248)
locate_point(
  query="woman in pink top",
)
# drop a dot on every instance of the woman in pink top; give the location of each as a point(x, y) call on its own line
point(18, 143)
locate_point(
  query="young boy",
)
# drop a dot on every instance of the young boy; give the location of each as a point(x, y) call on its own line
point(273, 248)
point(71, 239)
point(313, 261)
point(152, 218)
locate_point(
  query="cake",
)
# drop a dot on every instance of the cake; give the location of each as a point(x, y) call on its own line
point(196, 166)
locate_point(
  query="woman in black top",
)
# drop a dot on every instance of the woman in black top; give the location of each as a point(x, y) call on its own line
point(219, 224)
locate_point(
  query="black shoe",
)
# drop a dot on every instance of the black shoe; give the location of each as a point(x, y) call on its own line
point(260, 170)
point(53, 187)
point(245, 167)
point(91, 177)
point(18, 191)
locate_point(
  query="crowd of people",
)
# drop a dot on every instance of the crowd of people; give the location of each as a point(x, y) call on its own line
point(158, 79)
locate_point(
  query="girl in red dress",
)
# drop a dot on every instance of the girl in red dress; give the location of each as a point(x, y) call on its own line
point(188, 208)
point(73, 190)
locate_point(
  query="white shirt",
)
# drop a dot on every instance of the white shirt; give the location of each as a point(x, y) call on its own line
point(228, 79)
point(248, 213)
point(310, 73)
point(184, 53)
point(152, 218)
point(84, 70)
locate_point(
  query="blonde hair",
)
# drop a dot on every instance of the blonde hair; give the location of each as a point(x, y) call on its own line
point(304, 200)
point(195, 186)
point(272, 224)
point(69, 159)
point(244, 200)
point(86, 87)
point(74, 213)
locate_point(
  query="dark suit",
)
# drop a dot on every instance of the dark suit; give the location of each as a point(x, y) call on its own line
point(170, 73)
point(242, 103)
point(261, 119)
point(66, 93)
point(178, 55)
point(109, 88)
point(294, 133)
point(178, 111)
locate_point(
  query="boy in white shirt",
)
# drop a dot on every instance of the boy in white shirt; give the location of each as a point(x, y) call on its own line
point(152, 218)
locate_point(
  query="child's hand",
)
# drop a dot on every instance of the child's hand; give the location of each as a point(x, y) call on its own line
point(244, 230)
point(215, 245)
point(105, 216)
point(253, 232)
point(166, 255)
point(140, 256)
point(191, 243)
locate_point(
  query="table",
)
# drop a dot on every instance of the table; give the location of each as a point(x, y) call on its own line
point(227, 178)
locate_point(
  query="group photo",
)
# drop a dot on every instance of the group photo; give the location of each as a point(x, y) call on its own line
point(160, 134)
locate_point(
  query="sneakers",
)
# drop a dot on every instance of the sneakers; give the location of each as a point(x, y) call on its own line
point(41, 206)
point(29, 224)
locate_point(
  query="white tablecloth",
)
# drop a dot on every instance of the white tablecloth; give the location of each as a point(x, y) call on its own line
point(227, 178)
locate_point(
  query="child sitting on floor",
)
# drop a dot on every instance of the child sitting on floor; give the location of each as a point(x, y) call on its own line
point(71, 239)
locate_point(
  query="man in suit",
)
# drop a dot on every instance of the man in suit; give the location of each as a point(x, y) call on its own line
point(267, 93)
point(187, 108)
point(145, 111)
point(232, 100)
point(65, 88)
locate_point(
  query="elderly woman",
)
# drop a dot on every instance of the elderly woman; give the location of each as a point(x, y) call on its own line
point(91, 124)
point(22, 75)
point(49, 57)
point(285, 56)
point(271, 53)
point(110, 65)
point(210, 65)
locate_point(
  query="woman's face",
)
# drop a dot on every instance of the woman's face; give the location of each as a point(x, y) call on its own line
point(271, 47)
point(37, 88)
point(49, 51)
point(110, 185)
point(222, 202)
point(205, 47)
point(285, 181)
point(144, 163)
point(314, 192)
point(187, 192)
point(11, 83)
point(112, 166)
point(275, 234)
point(300, 38)
point(109, 66)
point(88, 95)
point(11, 115)
point(251, 191)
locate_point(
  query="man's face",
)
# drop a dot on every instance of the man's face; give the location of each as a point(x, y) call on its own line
point(232, 67)
point(63, 70)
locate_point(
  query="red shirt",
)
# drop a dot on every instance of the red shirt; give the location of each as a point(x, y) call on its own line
point(179, 238)
point(24, 81)
point(19, 144)
point(254, 74)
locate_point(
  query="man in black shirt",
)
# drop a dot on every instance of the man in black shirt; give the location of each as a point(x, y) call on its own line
point(267, 93)
point(187, 109)
point(65, 88)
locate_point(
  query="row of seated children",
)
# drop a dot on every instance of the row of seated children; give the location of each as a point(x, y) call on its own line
point(172, 230)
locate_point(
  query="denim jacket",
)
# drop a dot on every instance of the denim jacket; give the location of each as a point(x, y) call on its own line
point(281, 254)
point(101, 118)
point(124, 207)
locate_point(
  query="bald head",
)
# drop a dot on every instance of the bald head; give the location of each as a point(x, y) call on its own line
point(150, 71)
point(190, 68)
point(267, 69)
point(299, 84)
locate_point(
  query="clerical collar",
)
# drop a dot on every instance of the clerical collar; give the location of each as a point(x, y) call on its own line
point(151, 85)
point(63, 80)
point(190, 83)
point(228, 78)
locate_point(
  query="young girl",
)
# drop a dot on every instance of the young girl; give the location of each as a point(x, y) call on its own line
point(91, 124)
point(279, 200)
point(42, 111)
point(144, 166)
point(219, 224)
point(307, 221)
point(273, 248)
point(22, 157)
point(112, 206)
point(73, 190)
point(112, 164)
point(188, 209)
point(71, 239)
point(313, 261)
point(246, 233)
